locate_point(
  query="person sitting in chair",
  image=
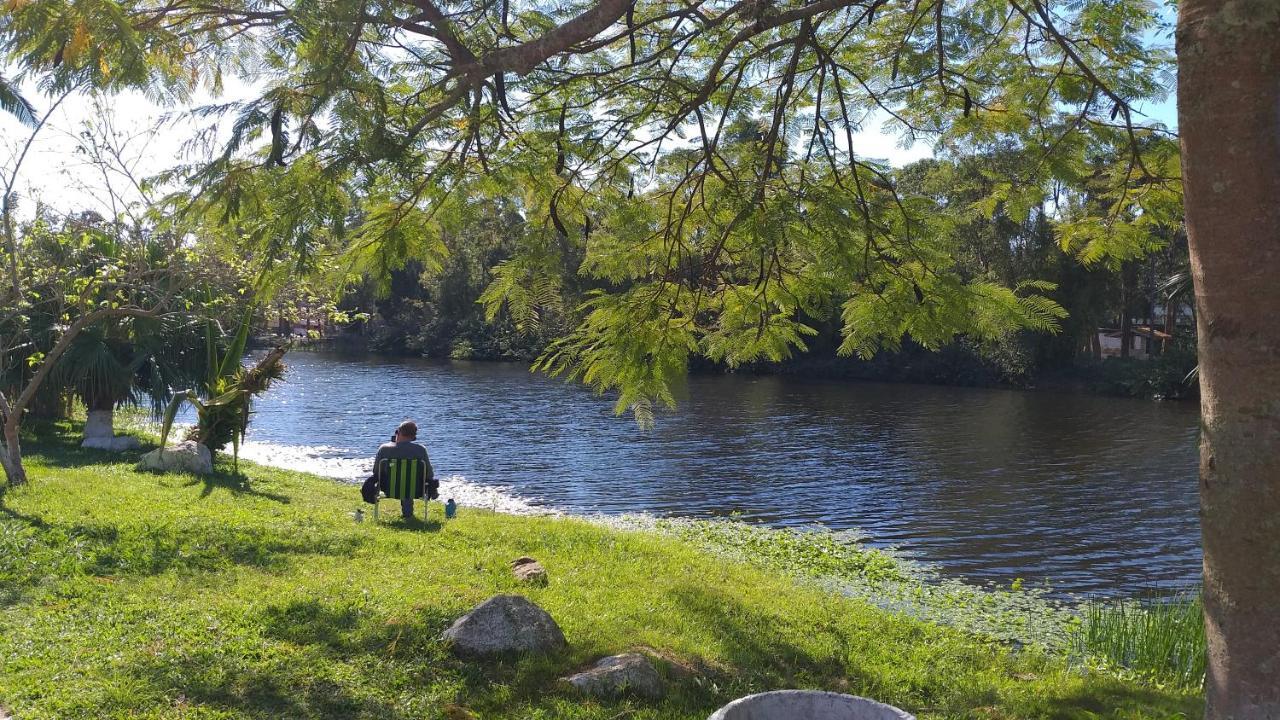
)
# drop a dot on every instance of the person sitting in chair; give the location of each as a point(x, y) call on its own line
point(403, 447)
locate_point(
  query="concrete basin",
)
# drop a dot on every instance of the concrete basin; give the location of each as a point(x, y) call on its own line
point(807, 705)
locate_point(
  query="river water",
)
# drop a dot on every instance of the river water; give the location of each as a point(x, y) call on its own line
point(1091, 495)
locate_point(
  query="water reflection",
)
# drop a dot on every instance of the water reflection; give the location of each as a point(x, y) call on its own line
point(1087, 493)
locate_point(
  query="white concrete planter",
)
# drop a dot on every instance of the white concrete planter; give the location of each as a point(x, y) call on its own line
point(807, 705)
point(99, 433)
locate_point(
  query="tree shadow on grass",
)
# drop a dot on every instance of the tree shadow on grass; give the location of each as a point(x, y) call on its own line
point(766, 661)
point(237, 483)
point(62, 451)
point(28, 519)
point(304, 675)
point(749, 641)
point(41, 550)
point(281, 688)
point(413, 524)
point(354, 627)
point(1109, 699)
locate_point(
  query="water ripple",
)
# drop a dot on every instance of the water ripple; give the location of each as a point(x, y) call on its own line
point(1087, 493)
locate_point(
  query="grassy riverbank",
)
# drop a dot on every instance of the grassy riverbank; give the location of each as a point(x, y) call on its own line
point(256, 596)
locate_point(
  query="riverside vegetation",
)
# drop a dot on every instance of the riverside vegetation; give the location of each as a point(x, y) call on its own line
point(254, 595)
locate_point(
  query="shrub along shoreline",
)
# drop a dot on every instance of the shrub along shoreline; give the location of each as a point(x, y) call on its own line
point(127, 594)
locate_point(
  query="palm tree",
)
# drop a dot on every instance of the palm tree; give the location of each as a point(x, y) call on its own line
point(130, 361)
point(1178, 289)
point(224, 400)
point(12, 102)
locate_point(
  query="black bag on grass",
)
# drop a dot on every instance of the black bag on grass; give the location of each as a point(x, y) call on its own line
point(370, 490)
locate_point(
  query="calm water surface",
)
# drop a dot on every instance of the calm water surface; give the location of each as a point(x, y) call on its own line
point(1091, 494)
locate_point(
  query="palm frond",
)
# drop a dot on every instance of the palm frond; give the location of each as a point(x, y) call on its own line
point(12, 102)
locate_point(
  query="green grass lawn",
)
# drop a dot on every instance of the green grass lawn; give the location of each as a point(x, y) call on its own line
point(126, 594)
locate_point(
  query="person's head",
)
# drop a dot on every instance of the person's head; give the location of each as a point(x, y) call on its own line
point(408, 430)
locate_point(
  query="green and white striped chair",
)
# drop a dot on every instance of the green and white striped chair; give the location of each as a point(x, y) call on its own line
point(401, 478)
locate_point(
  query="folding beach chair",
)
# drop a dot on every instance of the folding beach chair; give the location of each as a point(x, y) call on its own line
point(401, 478)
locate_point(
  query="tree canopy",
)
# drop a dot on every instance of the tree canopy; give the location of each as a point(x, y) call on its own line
point(695, 160)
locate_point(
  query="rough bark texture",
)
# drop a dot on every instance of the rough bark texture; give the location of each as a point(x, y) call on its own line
point(1229, 120)
point(11, 454)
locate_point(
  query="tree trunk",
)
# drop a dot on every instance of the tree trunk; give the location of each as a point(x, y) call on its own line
point(11, 454)
point(1154, 345)
point(1171, 318)
point(1229, 121)
point(1126, 322)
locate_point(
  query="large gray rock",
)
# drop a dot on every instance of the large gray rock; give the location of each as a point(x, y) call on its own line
point(188, 456)
point(807, 704)
point(617, 675)
point(504, 624)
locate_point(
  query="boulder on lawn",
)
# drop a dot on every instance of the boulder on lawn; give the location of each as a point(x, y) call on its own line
point(617, 675)
point(526, 569)
point(188, 456)
point(504, 624)
point(810, 704)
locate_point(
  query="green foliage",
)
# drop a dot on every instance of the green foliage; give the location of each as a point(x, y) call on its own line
point(810, 553)
point(626, 343)
point(255, 595)
point(1160, 638)
point(224, 401)
point(441, 312)
point(840, 563)
point(67, 268)
point(12, 102)
point(1125, 210)
point(694, 168)
point(1170, 375)
point(132, 361)
point(985, 311)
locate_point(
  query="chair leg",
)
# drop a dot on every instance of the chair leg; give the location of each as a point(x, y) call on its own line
point(375, 510)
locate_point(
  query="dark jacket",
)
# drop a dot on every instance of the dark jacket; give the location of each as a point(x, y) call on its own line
point(404, 450)
point(397, 451)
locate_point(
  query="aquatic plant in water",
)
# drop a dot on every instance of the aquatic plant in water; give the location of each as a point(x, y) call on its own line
point(839, 562)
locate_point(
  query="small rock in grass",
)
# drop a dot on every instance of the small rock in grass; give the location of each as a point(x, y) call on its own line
point(187, 456)
point(526, 569)
point(618, 675)
point(504, 624)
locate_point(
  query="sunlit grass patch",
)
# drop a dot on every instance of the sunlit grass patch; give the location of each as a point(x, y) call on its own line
point(256, 595)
